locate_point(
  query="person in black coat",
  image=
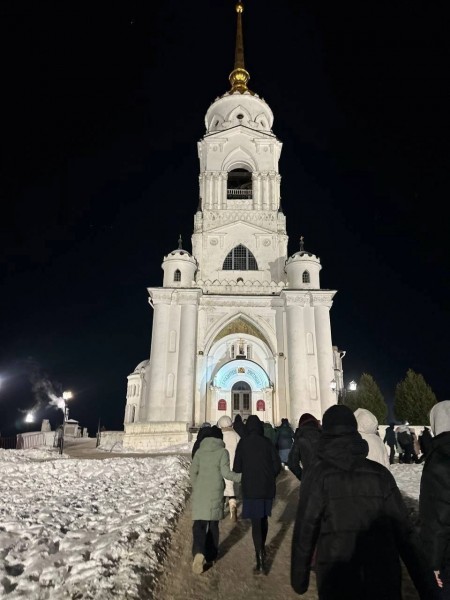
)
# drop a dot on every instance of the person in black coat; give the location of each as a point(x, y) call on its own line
point(351, 508)
point(434, 500)
point(306, 441)
point(258, 461)
point(239, 426)
point(425, 443)
point(390, 438)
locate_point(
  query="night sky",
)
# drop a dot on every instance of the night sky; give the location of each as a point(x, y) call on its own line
point(99, 176)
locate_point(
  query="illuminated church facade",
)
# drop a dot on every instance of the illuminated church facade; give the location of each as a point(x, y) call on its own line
point(239, 327)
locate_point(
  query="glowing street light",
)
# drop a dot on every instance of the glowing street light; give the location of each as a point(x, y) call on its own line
point(67, 395)
point(352, 386)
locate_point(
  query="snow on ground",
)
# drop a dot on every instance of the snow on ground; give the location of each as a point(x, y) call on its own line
point(85, 529)
point(97, 529)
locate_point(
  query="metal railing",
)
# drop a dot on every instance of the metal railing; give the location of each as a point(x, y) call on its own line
point(239, 194)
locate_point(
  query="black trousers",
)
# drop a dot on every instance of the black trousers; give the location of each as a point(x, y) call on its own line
point(260, 527)
point(205, 539)
point(391, 454)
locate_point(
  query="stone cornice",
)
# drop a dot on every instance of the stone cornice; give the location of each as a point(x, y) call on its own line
point(239, 301)
point(173, 295)
point(308, 298)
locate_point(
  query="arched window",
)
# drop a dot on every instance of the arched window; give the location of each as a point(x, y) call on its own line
point(239, 185)
point(305, 277)
point(177, 275)
point(240, 259)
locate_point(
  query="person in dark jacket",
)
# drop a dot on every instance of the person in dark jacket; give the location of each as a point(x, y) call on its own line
point(406, 443)
point(352, 509)
point(425, 443)
point(306, 441)
point(258, 461)
point(270, 432)
point(390, 438)
point(239, 426)
point(434, 500)
point(285, 440)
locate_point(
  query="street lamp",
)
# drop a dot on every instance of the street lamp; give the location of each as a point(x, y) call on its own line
point(66, 396)
point(352, 386)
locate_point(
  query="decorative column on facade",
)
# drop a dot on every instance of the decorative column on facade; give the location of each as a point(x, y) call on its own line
point(322, 303)
point(208, 190)
point(215, 190)
point(256, 191)
point(264, 191)
point(201, 191)
point(299, 397)
point(157, 375)
point(223, 189)
point(273, 190)
point(184, 408)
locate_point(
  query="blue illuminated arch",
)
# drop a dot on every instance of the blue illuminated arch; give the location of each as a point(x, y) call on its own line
point(241, 370)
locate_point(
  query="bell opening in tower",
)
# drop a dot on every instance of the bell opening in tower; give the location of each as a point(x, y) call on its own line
point(239, 186)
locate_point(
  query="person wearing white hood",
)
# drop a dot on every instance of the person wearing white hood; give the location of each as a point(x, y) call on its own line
point(434, 499)
point(368, 427)
point(231, 440)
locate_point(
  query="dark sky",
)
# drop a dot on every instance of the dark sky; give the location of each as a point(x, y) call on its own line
point(99, 174)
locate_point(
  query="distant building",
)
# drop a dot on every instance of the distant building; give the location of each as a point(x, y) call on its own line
point(238, 325)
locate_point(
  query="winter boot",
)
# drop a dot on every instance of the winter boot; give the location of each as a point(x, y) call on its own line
point(260, 561)
point(233, 510)
point(199, 564)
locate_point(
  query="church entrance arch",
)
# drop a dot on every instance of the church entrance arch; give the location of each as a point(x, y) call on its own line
point(241, 386)
point(241, 394)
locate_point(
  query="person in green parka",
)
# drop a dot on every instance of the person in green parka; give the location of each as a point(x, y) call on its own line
point(210, 465)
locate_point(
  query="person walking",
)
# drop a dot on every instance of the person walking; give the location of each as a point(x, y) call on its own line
point(416, 446)
point(405, 441)
point(306, 442)
point(209, 467)
point(239, 426)
point(285, 440)
point(434, 499)
point(368, 428)
point(352, 509)
point(258, 461)
point(425, 443)
point(270, 432)
point(231, 440)
point(390, 438)
point(202, 432)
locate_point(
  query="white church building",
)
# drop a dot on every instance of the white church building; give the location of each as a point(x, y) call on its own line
point(239, 327)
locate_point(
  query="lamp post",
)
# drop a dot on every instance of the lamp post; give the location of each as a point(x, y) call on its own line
point(66, 396)
point(352, 386)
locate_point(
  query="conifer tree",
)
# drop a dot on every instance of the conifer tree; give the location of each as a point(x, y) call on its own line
point(414, 399)
point(368, 396)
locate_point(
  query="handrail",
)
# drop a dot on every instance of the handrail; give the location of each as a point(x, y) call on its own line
point(243, 194)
